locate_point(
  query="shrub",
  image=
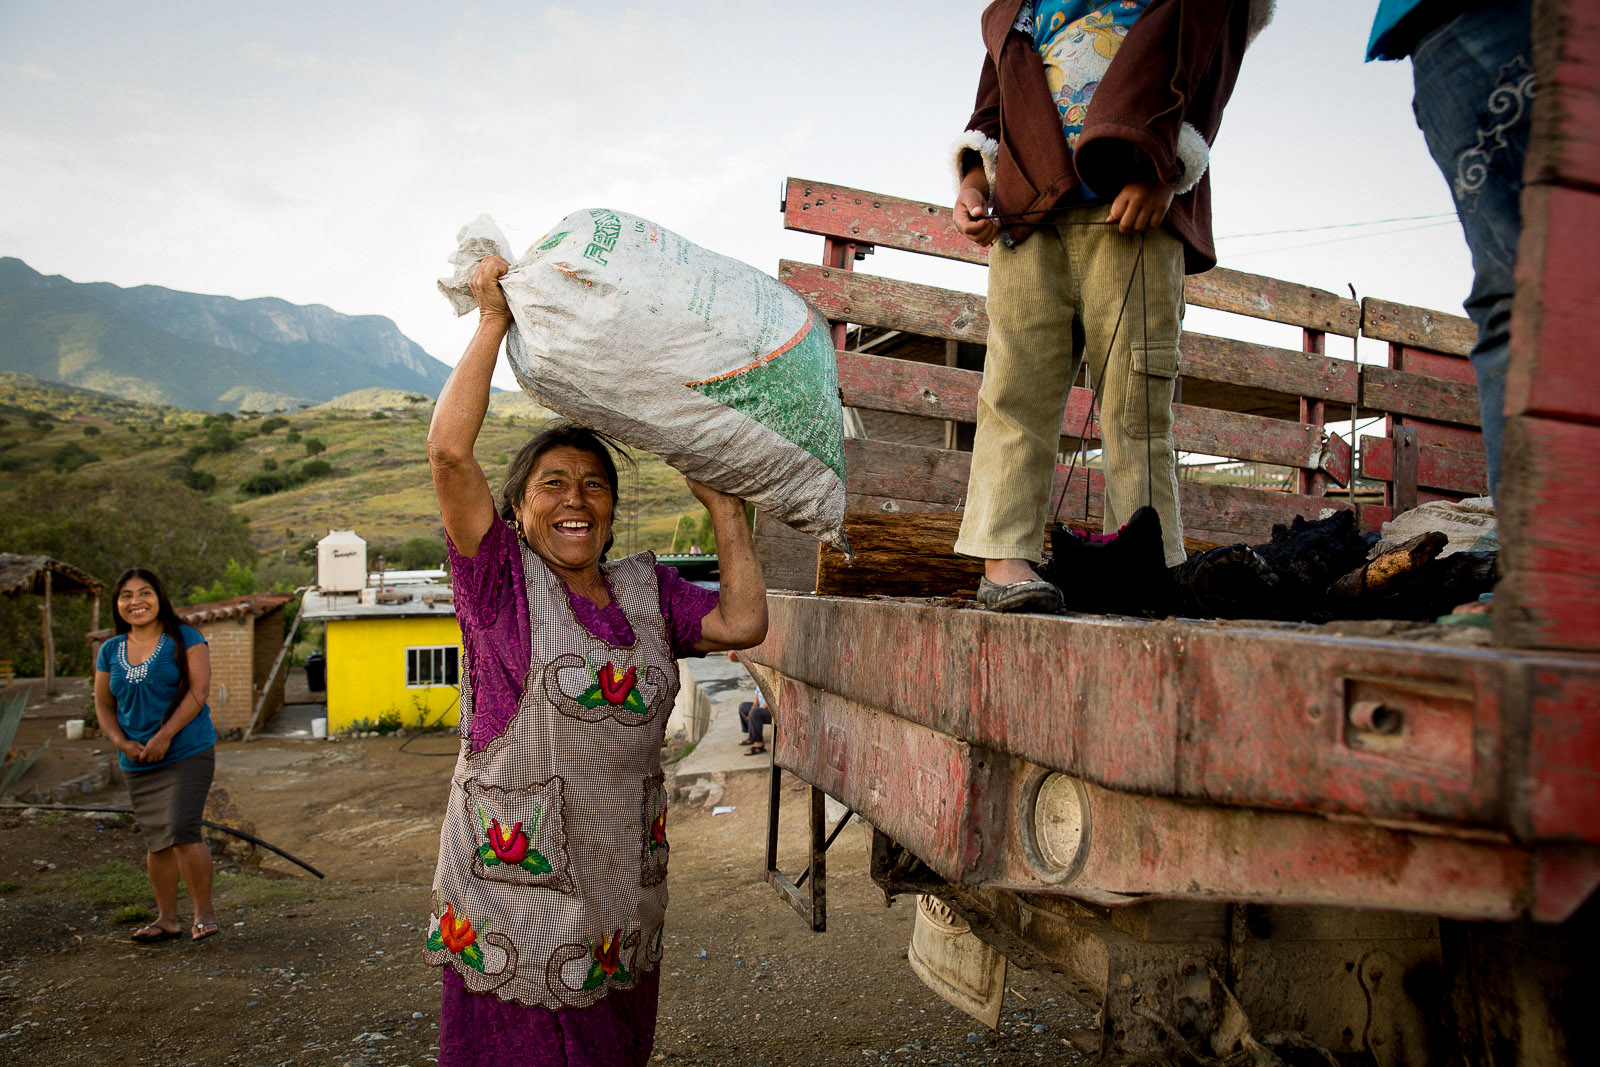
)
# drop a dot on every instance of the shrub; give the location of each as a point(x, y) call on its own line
point(199, 481)
point(91, 431)
point(263, 484)
point(237, 580)
point(315, 445)
point(70, 456)
point(10, 463)
point(220, 440)
point(313, 469)
point(274, 424)
point(269, 464)
point(39, 420)
point(378, 415)
point(292, 436)
point(421, 553)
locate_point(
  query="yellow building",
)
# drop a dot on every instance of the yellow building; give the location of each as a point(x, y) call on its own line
point(393, 653)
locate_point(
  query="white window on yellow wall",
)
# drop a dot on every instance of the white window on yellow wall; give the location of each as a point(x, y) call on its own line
point(432, 665)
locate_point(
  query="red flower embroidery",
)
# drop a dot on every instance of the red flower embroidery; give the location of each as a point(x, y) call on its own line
point(508, 847)
point(606, 953)
point(615, 689)
point(658, 830)
point(456, 934)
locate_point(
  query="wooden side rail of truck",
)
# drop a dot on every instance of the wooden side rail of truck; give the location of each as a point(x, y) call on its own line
point(1384, 841)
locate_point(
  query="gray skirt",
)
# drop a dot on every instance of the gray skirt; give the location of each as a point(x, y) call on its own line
point(170, 800)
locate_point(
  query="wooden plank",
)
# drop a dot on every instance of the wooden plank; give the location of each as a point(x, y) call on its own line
point(847, 214)
point(1550, 536)
point(1433, 364)
point(872, 300)
point(882, 383)
point(1565, 146)
point(1556, 311)
point(1417, 327)
point(788, 558)
point(838, 211)
point(1261, 297)
point(1399, 393)
point(1452, 469)
point(1445, 435)
point(1218, 513)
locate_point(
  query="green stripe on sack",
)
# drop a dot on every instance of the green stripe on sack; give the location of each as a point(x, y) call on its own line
point(795, 395)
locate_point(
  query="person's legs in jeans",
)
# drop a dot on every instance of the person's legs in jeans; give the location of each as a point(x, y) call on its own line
point(1474, 95)
point(1026, 376)
point(759, 717)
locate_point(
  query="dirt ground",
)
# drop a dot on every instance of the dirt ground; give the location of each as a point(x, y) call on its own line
point(329, 971)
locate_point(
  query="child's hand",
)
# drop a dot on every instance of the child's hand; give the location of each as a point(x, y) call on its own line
point(972, 219)
point(1141, 206)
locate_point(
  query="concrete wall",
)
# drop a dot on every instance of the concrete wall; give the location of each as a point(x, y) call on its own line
point(367, 671)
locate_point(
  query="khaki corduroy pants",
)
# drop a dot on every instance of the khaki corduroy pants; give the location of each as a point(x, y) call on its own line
point(1053, 298)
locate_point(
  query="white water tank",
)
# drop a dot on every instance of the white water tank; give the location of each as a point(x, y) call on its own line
point(341, 562)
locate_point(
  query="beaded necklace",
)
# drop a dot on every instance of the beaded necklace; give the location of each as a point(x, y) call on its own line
point(136, 672)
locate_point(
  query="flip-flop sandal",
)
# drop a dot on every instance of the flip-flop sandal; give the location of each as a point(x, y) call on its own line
point(755, 750)
point(149, 935)
point(201, 931)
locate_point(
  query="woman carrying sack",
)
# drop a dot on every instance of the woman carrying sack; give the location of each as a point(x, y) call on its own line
point(150, 685)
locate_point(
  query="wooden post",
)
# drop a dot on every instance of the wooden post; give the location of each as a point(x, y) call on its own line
point(1549, 513)
point(94, 610)
point(49, 639)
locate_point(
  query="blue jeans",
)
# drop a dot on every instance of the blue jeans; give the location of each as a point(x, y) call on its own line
point(1474, 96)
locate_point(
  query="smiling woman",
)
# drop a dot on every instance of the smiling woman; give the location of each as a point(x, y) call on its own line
point(550, 894)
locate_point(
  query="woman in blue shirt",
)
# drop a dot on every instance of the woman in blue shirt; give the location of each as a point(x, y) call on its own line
point(150, 685)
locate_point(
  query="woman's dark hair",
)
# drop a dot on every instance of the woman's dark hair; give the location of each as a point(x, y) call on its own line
point(514, 484)
point(171, 625)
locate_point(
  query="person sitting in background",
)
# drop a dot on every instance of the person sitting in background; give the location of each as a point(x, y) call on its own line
point(150, 686)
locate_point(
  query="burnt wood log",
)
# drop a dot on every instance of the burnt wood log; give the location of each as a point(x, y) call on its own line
point(1391, 571)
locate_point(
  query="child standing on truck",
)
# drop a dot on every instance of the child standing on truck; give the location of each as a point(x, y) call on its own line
point(1083, 104)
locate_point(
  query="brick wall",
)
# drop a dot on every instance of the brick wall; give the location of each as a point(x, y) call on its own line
point(232, 665)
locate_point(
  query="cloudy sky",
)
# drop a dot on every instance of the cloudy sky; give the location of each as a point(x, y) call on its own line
point(327, 153)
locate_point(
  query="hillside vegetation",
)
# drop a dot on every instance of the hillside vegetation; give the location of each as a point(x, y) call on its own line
point(101, 480)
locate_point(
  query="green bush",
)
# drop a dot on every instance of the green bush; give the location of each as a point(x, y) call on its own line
point(269, 464)
point(274, 424)
point(199, 481)
point(312, 470)
point(11, 463)
point(237, 580)
point(220, 440)
point(421, 553)
point(315, 445)
point(70, 456)
point(378, 415)
point(292, 436)
point(263, 484)
point(91, 431)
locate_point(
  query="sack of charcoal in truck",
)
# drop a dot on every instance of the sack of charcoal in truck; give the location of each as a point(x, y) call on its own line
point(720, 370)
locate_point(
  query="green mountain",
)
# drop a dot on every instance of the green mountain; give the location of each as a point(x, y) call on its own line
point(206, 353)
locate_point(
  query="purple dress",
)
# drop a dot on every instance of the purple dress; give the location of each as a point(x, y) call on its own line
point(479, 1029)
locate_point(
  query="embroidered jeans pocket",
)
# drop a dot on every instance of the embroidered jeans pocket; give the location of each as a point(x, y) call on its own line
point(1152, 378)
point(521, 834)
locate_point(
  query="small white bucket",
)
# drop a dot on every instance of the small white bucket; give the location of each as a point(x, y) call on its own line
point(74, 729)
point(319, 727)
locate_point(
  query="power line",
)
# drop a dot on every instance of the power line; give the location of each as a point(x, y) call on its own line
point(1335, 240)
point(1338, 226)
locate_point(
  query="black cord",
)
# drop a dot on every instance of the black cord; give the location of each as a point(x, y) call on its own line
point(428, 726)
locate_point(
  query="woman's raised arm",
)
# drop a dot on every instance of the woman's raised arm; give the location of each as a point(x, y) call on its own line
point(740, 618)
point(465, 502)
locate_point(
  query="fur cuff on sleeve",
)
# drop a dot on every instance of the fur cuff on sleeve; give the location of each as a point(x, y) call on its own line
point(1194, 155)
point(987, 149)
point(1261, 12)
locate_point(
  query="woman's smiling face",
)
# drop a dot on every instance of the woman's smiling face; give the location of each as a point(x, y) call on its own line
point(566, 508)
point(136, 602)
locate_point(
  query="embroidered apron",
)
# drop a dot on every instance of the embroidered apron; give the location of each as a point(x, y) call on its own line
point(551, 883)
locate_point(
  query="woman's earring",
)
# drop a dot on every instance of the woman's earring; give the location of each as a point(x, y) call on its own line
point(516, 524)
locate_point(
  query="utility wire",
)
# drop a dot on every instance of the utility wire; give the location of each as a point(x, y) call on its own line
point(1338, 226)
point(1335, 240)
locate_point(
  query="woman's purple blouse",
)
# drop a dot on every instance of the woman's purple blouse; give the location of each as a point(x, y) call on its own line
point(492, 607)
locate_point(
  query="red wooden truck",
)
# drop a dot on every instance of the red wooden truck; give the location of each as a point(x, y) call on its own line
point(1381, 841)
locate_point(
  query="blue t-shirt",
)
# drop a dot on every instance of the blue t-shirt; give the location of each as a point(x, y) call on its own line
point(143, 691)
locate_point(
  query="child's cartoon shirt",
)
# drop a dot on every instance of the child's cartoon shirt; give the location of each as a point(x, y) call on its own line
point(1076, 40)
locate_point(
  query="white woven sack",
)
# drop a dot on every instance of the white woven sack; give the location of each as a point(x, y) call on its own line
point(720, 370)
